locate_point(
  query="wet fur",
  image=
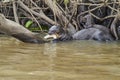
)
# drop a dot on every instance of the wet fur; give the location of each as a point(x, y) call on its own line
point(97, 32)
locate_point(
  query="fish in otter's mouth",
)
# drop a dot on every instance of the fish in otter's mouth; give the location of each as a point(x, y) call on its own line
point(51, 36)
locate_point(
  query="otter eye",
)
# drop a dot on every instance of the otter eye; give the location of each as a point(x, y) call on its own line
point(52, 32)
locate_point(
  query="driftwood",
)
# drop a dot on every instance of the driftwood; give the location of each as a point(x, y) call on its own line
point(16, 30)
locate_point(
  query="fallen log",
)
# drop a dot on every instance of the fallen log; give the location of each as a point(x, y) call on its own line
point(17, 31)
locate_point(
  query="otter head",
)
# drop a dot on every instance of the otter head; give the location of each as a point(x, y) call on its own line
point(54, 32)
point(86, 21)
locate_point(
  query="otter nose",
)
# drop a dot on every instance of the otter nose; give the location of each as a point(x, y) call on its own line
point(51, 32)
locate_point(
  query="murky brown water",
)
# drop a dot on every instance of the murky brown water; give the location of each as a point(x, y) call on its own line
point(75, 60)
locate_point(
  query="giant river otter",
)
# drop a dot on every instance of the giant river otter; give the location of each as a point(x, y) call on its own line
point(97, 32)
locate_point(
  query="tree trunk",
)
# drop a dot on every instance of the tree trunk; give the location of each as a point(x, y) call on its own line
point(14, 29)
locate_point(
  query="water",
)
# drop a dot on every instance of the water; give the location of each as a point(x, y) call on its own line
point(73, 60)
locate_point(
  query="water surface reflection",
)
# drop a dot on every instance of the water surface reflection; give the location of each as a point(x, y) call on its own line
point(73, 60)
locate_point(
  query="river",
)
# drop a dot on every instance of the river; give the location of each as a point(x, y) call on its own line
point(72, 60)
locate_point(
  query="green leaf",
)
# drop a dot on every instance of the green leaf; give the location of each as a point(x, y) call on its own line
point(66, 2)
point(28, 23)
